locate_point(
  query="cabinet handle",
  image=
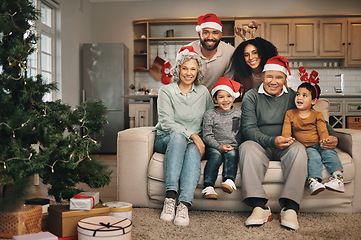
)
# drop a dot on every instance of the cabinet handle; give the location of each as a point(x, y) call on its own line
point(291, 44)
point(349, 43)
point(343, 44)
point(359, 108)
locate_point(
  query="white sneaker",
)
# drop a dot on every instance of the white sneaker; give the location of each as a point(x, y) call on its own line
point(181, 216)
point(258, 217)
point(335, 184)
point(209, 193)
point(288, 219)
point(315, 186)
point(168, 210)
point(228, 186)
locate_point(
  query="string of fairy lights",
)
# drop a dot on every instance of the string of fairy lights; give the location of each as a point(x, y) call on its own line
point(22, 64)
point(85, 137)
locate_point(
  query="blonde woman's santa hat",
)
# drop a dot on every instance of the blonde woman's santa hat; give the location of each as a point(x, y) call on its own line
point(278, 63)
point(209, 20)
point(229, 85)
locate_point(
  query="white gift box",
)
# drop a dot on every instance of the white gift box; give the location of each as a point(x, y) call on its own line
point(105, 227)
point(36, 236)
point(120, 209)
point(84, 201)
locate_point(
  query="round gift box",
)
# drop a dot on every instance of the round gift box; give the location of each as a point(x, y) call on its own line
point(105, 227)
point(120, 209)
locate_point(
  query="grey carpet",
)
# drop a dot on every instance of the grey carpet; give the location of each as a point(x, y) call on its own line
point(230, 225)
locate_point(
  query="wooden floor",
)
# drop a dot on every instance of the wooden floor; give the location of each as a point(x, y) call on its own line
point(106, 194)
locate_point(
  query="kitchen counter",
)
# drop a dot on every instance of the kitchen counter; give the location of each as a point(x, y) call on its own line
point(152, 99)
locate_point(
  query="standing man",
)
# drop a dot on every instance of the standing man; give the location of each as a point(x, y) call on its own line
point(263, 111)
point(214, 53)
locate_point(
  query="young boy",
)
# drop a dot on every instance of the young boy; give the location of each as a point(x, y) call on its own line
point(308, 127)
point(222, 135)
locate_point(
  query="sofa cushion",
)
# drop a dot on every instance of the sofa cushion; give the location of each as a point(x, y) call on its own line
point(273, 174)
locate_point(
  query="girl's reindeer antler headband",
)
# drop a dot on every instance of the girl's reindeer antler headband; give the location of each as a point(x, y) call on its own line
point(313, 79)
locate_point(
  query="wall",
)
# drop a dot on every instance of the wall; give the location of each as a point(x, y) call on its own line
point(112, 22)
point(75, 30)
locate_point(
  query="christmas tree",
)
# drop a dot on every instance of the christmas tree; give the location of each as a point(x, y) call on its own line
point(47, 138)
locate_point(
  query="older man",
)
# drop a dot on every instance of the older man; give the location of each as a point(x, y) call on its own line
point(263, 111)
point(214, 53)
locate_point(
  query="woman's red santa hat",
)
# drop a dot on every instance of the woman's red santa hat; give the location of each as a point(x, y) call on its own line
point(209, 20)
point(186, 50)
point(228, 85)
point(278, 63)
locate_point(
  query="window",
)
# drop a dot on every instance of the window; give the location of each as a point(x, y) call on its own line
point(42, 61)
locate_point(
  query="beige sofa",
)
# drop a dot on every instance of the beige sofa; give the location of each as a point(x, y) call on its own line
point(141, 176)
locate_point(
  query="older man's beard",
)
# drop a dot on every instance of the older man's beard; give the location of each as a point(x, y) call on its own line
point(204, 45)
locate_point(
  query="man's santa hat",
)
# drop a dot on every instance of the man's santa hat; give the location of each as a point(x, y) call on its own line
point(186, 50)
point(278, 63)
point(209, 20)
point(229, 85)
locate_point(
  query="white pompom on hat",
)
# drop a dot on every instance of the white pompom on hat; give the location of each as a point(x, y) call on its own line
point(209, 20)
point(278, 63)
point(229, 85)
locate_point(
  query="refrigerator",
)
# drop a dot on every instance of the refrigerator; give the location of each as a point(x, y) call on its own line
point(105, 76)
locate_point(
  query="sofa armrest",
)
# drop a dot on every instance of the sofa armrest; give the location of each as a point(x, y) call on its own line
point(350, 142)
point(134, 150)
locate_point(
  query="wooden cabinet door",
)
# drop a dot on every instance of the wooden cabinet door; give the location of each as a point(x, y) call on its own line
point(296, 38)
point(304, 38)
point(278, 33)
point(354, 42)
point(241, 23)
point(333, 35)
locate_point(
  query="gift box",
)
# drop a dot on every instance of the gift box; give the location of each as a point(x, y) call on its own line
point(109, 227)
point(43, 202)
point(24, 220)
point(84, 201)
point(120, 209)
point(63, 222)
point(36, 236)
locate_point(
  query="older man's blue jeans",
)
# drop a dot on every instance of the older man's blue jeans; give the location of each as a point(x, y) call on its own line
point(182, 164)
point(215, 159)
point(317, 157)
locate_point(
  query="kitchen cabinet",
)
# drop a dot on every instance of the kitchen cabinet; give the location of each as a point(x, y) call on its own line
point(353, 42)
point(139, 114)
point(304, 37)
point(342, 107)
point(169, 31)
point(333, 37)
point(293, 38)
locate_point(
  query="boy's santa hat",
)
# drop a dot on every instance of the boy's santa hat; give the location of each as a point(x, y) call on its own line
point(229, 85)
point(278, 63)
point(209, 20)
point(186, 50)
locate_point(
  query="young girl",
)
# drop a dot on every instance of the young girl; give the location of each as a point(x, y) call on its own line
point(308, 127)
point(221, 134)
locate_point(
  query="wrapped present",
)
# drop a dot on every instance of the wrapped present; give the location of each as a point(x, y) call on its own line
point(43, 202)
point(84, 201)
point(24, 220)
point(63, 222)
point(108, 227)
point(120, 209)
point(36, 236)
